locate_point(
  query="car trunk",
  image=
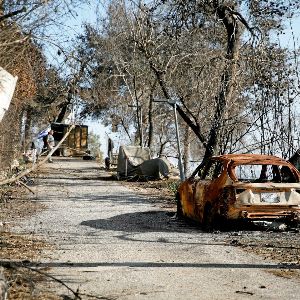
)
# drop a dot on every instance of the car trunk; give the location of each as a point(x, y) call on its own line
point(265, 201)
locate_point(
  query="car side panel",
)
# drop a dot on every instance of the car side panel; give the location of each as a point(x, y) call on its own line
point(186, 191)
point(196, 194)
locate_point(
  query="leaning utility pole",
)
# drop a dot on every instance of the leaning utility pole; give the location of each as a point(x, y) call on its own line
point(180, 165)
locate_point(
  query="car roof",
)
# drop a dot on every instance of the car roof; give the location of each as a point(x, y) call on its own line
point(251, 159)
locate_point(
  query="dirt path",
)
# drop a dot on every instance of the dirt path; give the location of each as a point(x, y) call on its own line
point(112, 243)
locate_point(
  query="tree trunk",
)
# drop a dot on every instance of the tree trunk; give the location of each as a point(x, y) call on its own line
point(62, 112)
point(3, 285)
point(226, 86)
point(230, 22)
point(184, 116)
point(150, 116)
point(186, 151)
point(1, 8)
point(161, 149)
point(28, 125)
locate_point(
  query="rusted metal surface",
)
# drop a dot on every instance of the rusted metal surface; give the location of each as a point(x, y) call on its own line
point(226, 197)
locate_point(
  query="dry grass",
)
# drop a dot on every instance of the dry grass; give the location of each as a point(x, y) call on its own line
point(17, 249)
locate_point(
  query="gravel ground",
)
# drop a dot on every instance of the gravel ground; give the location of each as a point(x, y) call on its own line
point(112, 242)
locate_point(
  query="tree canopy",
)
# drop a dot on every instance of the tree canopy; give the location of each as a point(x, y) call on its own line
point(220, 60)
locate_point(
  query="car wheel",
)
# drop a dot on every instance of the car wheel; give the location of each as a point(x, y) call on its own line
point(208, 218)
point(179, 211)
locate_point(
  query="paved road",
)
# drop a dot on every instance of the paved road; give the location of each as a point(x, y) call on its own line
point(113, 243)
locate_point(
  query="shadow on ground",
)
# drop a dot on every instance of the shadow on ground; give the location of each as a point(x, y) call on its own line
point(148, 221)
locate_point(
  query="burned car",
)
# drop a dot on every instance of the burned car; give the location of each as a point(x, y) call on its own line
point(238, 187)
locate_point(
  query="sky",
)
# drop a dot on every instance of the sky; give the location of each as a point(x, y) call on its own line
point(291, 34)
point(70, 29)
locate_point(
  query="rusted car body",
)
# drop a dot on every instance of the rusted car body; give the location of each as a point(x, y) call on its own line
point(241, 187)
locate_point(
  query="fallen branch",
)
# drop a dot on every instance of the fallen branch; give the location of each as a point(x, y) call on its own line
point(27, 171)
point(16, 266)
point(26, 186)
point(77, 294)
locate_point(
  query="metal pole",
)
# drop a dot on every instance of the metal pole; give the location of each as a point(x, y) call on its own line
point(182, 177)
point(140, 122)
point(141, 127)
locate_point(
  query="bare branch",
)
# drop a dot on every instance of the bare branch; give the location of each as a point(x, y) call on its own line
point(13, 13)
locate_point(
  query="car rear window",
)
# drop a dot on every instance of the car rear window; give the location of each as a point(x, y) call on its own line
point(264, 173)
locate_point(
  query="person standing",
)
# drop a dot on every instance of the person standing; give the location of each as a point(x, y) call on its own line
point(50, 144)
